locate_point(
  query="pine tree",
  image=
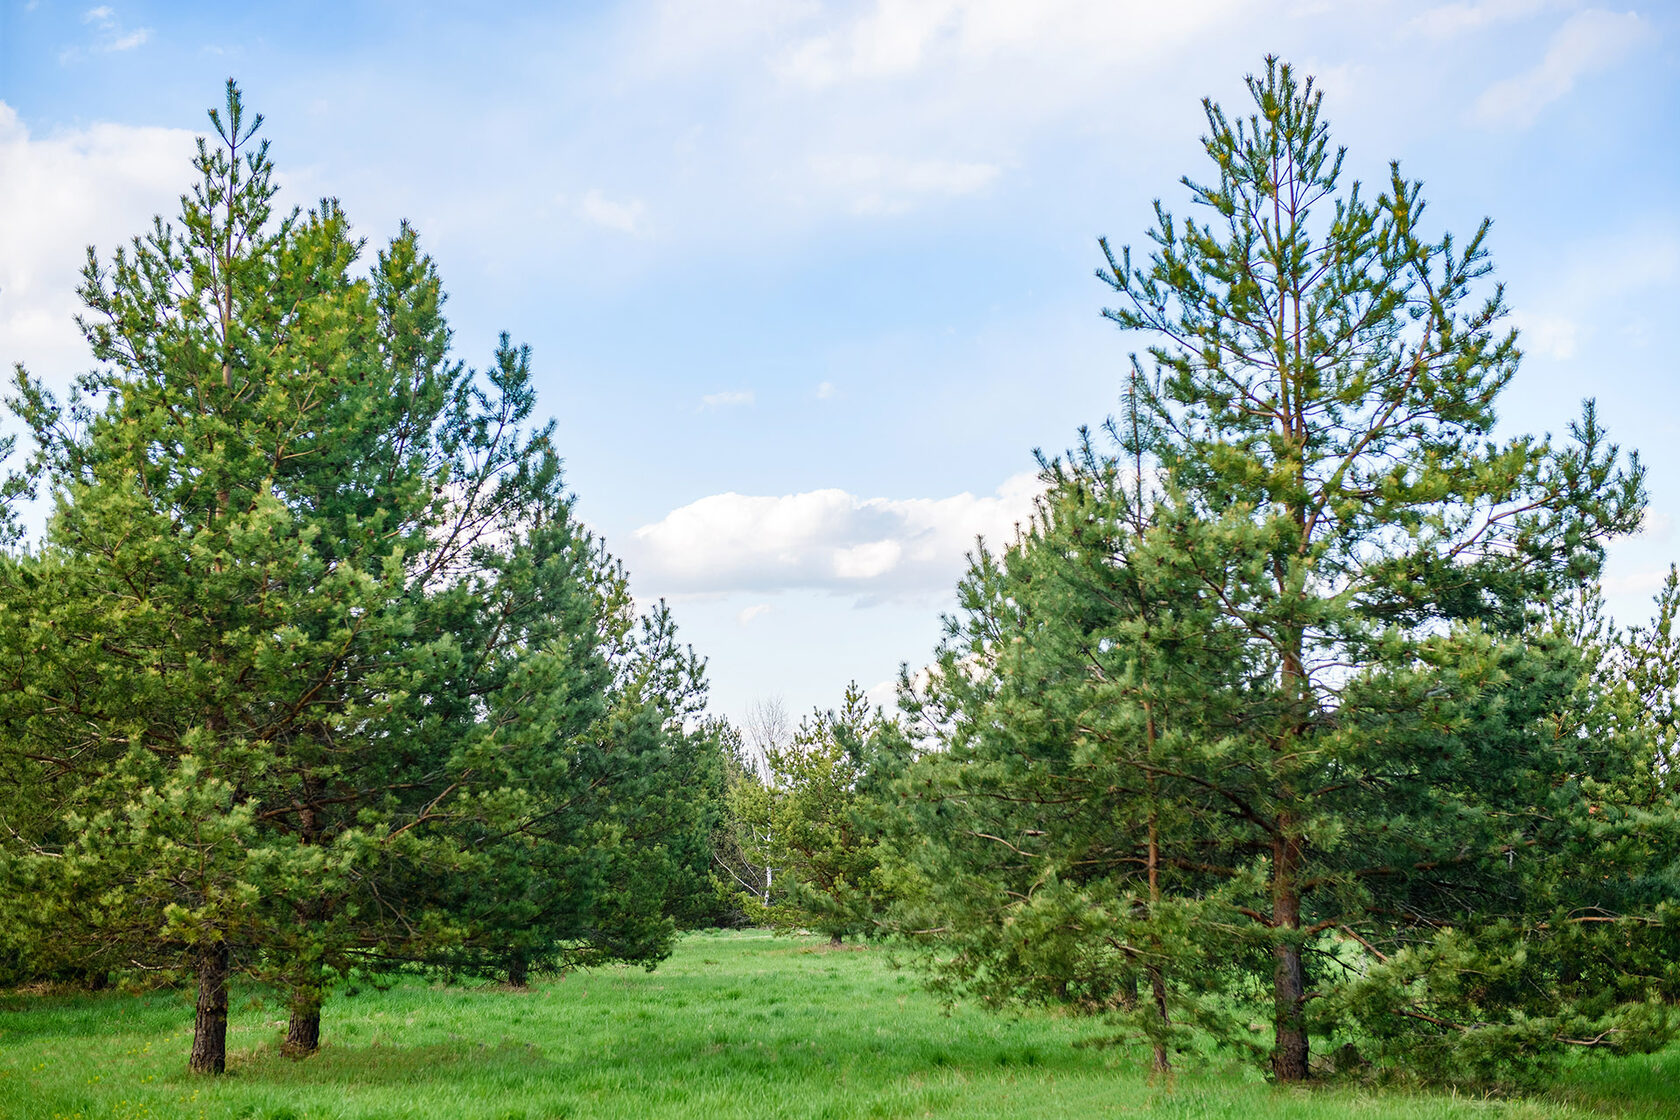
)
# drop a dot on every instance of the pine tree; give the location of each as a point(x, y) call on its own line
point(313, 634)
point(821, 818)
point(1308, 681)
point(1052, 843)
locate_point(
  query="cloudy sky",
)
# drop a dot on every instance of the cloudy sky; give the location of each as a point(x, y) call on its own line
point(808, 282)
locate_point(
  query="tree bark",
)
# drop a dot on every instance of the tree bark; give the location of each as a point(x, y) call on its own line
point(836, 939)
point(1289, 982)
point(1157, 979)
point(209, 1048)
point(1128, 991)
point(1158, 987)
point(519, 970)
point(303, 1030)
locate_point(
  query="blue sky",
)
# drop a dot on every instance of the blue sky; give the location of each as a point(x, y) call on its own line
point(807, 282)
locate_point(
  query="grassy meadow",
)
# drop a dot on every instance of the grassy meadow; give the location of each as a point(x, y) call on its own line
point(733, 1025)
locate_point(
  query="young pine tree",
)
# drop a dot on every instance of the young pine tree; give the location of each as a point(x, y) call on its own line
point(820, 812)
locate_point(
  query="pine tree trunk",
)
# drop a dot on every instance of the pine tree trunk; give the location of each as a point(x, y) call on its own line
point(209, 1048)
point(1128, 991)
point(519, 970)
point(1289, 982)
point(835, 940)
point(303, 1031)
point(1157, 979)
point(1158, 987)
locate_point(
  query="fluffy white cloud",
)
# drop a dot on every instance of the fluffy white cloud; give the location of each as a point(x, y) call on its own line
point(732, 399)
point(1552, 336)
point(625, 217)
point(1588, 41)
point(59, 193)
point(875, 548)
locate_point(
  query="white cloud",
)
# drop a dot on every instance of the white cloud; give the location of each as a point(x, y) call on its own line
point(732, 399)
point(1551, 336)
point(1598, 287)
point(1588, 41)
point(826, 391)
point(129, 41)
point(112, 36)
point(678, 35)
point(894, 39)
point(752, 612)
point(879, 107)
point(59, 193)
point(829, 540)
point(1656, 526)
point(1641, 581)
point(883, 694)
point(625, 217)
point(1448, 21)
point(877, 184)
point(869, 560)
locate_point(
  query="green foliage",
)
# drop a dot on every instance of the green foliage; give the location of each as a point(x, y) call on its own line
point(1267, 706)
point(314, 663)
point(817, 821)
point(737, 836)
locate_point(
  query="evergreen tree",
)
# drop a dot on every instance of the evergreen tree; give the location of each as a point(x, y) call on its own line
point(1316, 687)
point(1050, 843)
point(737, 840)
point(822, 821)
point(313, 639)
point(1577, 945)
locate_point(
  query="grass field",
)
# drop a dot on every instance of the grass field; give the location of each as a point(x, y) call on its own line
point(732, 1025)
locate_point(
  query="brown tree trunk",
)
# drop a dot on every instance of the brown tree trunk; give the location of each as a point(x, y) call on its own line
point(1158, 986)
point(303, 1030)
point(209, 1047)
point(1157, 979)
point(835, 940)
point(519, 970)
point(1289, 981)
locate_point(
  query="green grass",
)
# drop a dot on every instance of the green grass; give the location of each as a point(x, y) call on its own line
point(733, 1025)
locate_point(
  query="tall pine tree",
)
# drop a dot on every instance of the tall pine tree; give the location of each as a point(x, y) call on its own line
point(1295, 713)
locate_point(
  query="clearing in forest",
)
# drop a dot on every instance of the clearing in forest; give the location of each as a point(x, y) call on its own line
point(735, 1024)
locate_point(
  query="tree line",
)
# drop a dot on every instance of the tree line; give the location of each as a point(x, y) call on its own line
point(1291, 720)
